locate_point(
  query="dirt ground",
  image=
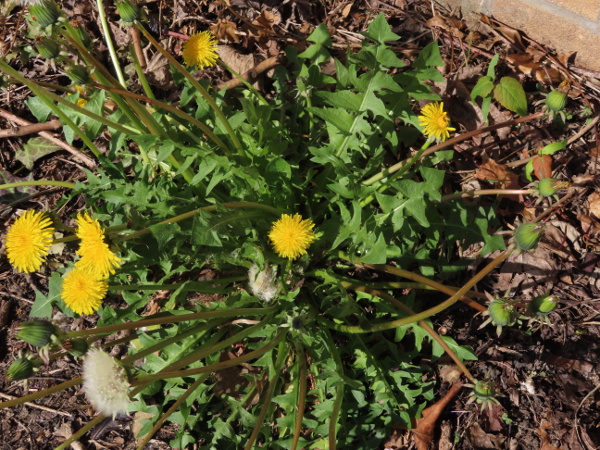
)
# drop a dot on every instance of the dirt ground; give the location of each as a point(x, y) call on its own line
point(549, 372)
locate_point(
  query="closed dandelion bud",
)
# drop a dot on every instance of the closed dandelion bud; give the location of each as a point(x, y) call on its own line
point(527, 235)
point(484, 390)
point(502, 312)
point(48, 48)
point(78, 74)
point(45, 12)
point(128, 11)
point(546, 187)
point(543, 304)
point(21, 369)
point(76, 347)
point(38, 333)
point(556, 100)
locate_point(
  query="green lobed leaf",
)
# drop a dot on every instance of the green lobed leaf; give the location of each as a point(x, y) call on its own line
point(42, 305)
point(380, 31)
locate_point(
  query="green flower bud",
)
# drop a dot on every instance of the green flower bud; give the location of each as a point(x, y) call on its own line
point(48, 48)
point(76, 347)
point(556, 100)
point(542, 305)
point(527, 235)
point(128, 11)
point(484, 390)
point(38, 333)
point(78, 74)
point(502, 312)
point(46, 12)
point(546, 187)
point(21, 369)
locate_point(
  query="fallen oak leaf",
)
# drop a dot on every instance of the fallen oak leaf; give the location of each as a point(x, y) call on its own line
point(422, 433)
point(543, 435)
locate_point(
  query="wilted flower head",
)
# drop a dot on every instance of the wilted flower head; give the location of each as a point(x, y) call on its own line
point(28, 241)
point(82, 292)
point(96, 257)
point(200, 50)
point(291, 236)
point(263, 283)
point(105, 383)
point(435, 122)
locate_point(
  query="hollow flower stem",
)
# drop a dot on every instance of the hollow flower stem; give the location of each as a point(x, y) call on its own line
point(174, 319)
point(427, 313)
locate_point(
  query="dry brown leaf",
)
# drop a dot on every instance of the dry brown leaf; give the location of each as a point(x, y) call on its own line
point(568, 363)
point(490, 170)
point(346, 9)
point(266, 20)
point(493, 417)
point(594, 204)
point(541, 432)
point(158, 72)
point(234, 59)
point(481, 439)
point(531, 273)
point(437, 21)
point(566, 58)
point(422, 434)
point(225, 30)
point(512, 35)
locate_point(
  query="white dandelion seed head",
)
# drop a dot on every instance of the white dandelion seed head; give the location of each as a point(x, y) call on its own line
point(263, 283)
point(105, 383)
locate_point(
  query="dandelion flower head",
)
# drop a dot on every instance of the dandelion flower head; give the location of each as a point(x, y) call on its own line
point(28, 241)
point(96, 256)
point(291, 236)
point(200, 50)
point(105, 383)
point(435, 122)
point(82, 292)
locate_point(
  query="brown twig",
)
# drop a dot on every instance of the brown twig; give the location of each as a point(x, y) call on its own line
point(30, 129)
point(89, 162)
point(261, 67)
point(33, 405)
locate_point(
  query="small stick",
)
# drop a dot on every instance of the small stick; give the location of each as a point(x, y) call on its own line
point(33, 405)
point(89, 162)
point(30, 129)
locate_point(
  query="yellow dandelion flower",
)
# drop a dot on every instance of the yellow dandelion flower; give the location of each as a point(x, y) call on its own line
point(200, 50)
point(435, 122)
point(28, 241)
point(81, 102)
point(83, 293)
point(291, 236)
point(96, 257)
